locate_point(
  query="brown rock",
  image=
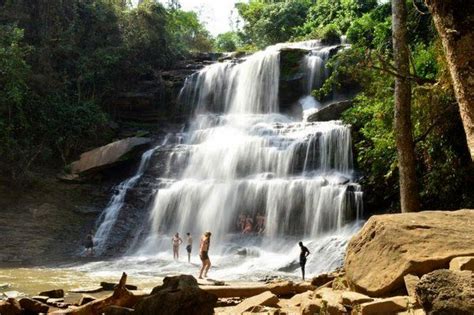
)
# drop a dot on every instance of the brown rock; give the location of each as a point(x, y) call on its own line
point(10, 307)
point(178, 295)
point(109, 155)
point(263, 299)
point(391, 305)
point(462, 263)
point(410, 283)
point(55, 301)
point(278, 288)
point(446, 292)
point(32, 306)
point(86, 299)
point(87, 290)
point(332, 301)
point(353, 298)
point(110, 286)
point(390, 246)
point(311, 307)
point(322, 279)
point(117, 310)
point(55, 294)
point(298, 299)
point(40, 298)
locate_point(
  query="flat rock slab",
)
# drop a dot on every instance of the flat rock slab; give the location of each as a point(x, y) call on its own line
point(107, 155)
point(264, 299)
point(392, 305)
point(391, 246)
point(87, 290)
point(462, 263)
point(55, 294)
point(353, 298)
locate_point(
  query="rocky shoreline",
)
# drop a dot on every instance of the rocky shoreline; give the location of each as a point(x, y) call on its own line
point(415, 263)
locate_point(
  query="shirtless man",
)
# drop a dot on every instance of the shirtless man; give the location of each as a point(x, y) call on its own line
point(176, 241)
point(189, 246)
point(204, 254)
point(303, 256)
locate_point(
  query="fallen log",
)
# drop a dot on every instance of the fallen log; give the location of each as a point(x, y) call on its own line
point(280, 288)
point(121, 297)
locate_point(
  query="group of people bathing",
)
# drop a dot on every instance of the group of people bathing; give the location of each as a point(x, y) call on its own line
point(176, 241)
point(204, 252)
point(245, 224)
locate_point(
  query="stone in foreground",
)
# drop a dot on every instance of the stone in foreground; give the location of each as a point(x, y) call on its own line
point(10, 307)
point(54, 294)
point(410, 283)
point(33, 306)
point(462, 263)
point(177, 295)
point(354, 298)
point(391, 305)
point(264, 299)
point(447, 292)
point(393, 245)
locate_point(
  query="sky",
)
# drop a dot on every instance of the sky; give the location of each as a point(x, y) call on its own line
point(215, 14)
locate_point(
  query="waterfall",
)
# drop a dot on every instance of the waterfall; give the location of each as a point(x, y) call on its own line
point(260, 181)
point(236, 88)
point(109, 215)
point(242, 159)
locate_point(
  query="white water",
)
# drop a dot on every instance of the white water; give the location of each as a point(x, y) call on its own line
point(110, 214)
point(240, 157)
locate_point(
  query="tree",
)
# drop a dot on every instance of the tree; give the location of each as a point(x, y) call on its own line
point(454, 22)
point(226, 42)
point(409, 196)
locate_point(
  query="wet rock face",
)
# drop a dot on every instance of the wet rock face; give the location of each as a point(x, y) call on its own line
point(333, 111)
point(446, 292)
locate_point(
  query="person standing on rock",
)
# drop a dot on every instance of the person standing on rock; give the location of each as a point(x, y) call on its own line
point(303, 256)
point(176, 241)
point(204, 254)
point(189, 246)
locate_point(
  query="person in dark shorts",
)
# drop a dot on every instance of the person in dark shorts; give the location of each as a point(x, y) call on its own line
point(89, 244)
point(204, 254)
point(189, 245)
point(303, 255)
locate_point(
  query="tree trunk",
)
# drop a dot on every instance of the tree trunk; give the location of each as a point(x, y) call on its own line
point(409, 197)
point(454, 20)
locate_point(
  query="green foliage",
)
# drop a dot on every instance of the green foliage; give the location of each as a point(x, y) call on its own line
point(61, 60)
point(273, 22)
point(340, 13)
point(227, 42)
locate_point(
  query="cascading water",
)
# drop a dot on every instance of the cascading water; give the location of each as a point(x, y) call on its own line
point(109, 216)
point(258, 180)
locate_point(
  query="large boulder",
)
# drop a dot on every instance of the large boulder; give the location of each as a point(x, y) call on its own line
point(332, 111)
point(393, 245)
point(178, 295)
point(109, 155)
point(10, 307)
point(446, 292)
